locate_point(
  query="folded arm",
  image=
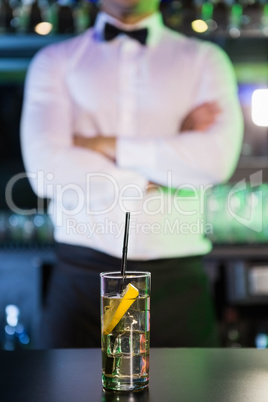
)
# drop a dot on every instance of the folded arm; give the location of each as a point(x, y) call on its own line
point(47, 137)
point(206, 147)
point(195, 157)
point(199, 119)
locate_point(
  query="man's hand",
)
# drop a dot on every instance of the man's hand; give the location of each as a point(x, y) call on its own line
point(104, 145)
point(201, 118)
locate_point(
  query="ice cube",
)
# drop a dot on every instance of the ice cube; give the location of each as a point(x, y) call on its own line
point(117, 349)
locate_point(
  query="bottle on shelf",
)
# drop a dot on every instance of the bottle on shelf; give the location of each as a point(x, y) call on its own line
point(35, 16)
point(6, 17)
point(65, 17)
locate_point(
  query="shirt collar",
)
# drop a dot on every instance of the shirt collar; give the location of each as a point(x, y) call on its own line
point(154, 23)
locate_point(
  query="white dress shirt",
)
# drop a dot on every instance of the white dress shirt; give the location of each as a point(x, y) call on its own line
point(140, 94)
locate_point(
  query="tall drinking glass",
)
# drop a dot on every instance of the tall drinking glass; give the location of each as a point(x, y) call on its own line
point(125, 326)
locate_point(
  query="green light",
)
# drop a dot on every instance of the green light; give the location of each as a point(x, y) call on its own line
point(207, 11)
point(237, 10)
point(254, 73)
point(265, 10)
point(236, 14)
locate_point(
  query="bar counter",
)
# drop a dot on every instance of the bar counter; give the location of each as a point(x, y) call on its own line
point(176, 375)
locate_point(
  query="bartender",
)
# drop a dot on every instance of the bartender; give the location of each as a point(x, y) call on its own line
point(129, 116)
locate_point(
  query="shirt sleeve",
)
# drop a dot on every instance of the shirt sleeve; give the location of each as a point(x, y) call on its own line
point(196, 158)
point(54, 166)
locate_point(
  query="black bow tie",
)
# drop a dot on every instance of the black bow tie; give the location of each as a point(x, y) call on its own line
point(111, 32)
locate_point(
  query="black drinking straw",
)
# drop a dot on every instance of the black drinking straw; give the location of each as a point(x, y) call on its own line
point(125, 244)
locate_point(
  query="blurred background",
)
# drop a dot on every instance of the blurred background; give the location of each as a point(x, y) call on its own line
point(237, 211)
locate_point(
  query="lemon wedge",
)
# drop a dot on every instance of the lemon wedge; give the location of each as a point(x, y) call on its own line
point(118, 308)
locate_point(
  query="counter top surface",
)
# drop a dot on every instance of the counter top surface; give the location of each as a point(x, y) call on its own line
point(185, 375)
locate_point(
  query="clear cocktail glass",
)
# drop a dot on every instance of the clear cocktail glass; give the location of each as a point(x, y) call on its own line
point(125, 326)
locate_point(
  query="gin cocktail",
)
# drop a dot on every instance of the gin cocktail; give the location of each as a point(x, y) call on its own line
point(125, 330)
